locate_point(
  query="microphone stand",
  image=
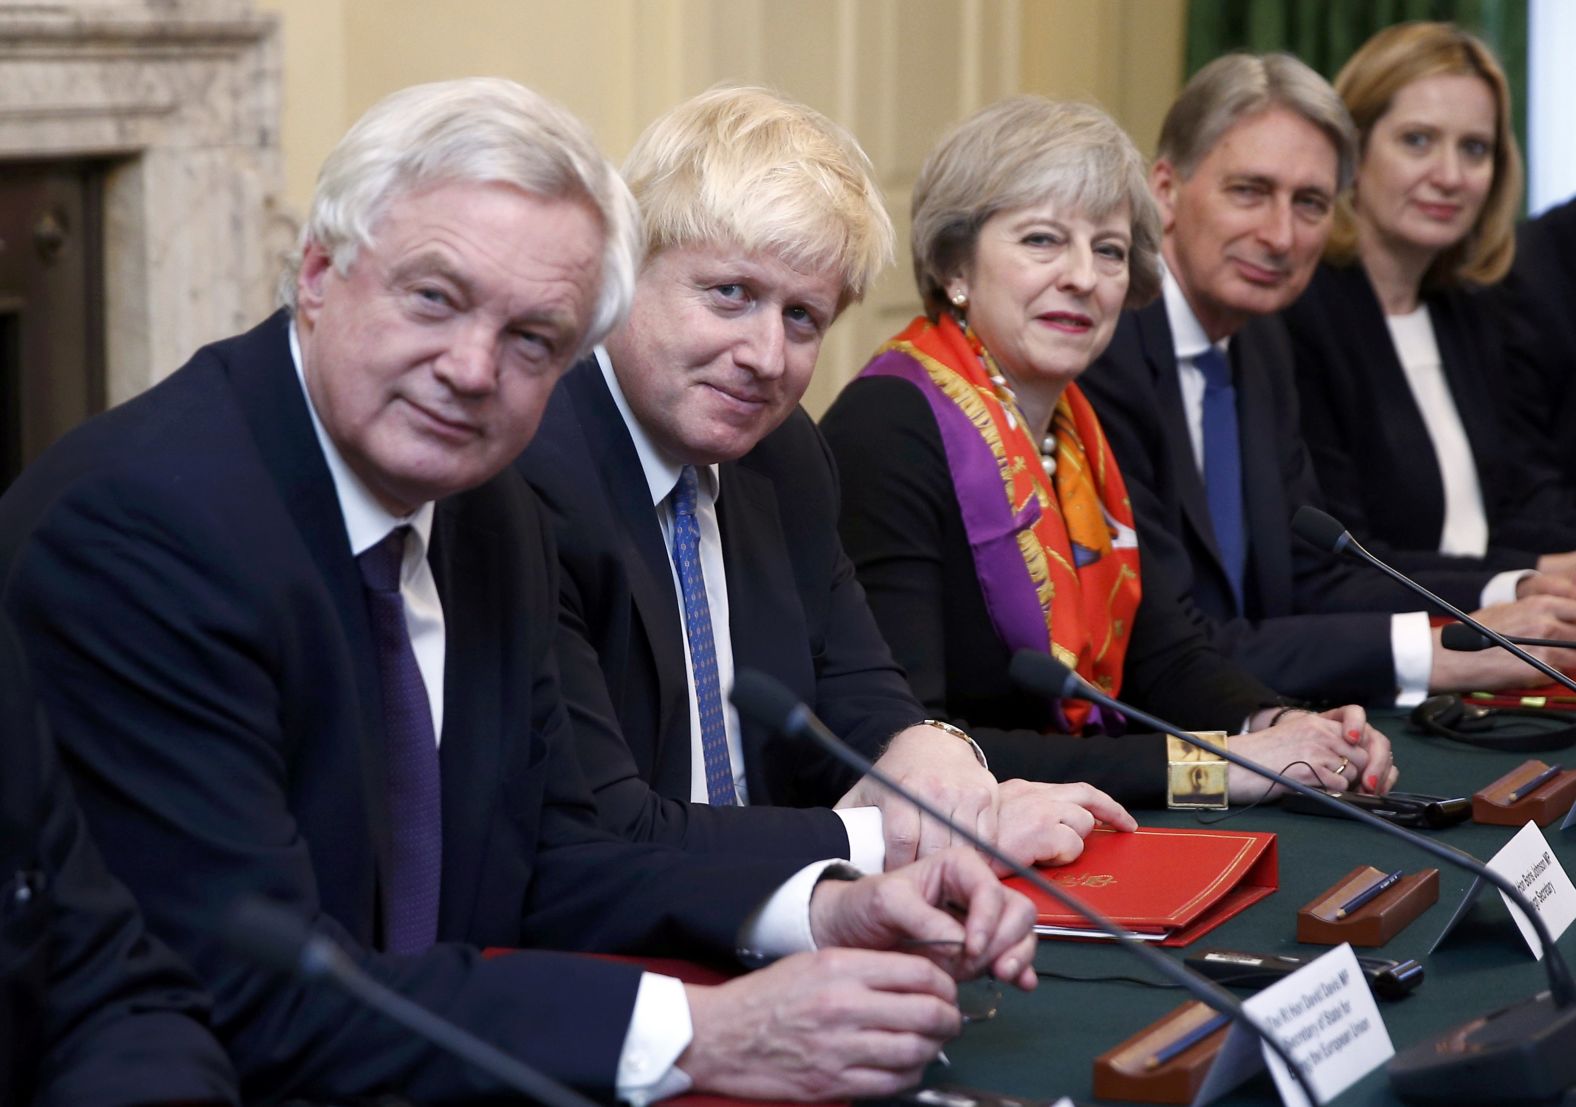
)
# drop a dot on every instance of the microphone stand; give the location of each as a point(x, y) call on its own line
point(1463, 639)
point(1326, 532)
point(282, 940)
point(769, 703)
point(1419, 1071)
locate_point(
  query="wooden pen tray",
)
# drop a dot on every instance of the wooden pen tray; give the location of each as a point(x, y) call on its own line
point(1375, 922)
point(1492, 805)
point(1124, 1071)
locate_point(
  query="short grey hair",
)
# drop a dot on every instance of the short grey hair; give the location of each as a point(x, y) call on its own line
point(751, 167)
point(1236, 86)
point(478, 129)
point(1016, 153)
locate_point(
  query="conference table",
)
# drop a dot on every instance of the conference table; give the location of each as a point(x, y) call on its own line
point(1041, 1045)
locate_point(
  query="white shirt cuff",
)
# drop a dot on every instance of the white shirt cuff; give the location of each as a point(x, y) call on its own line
point(866, 838)
point(1412, 646)
point(781, 925)
point(1501, 587)
point(659, 1031)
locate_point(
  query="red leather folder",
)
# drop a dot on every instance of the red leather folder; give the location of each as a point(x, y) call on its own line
point(1169, 885)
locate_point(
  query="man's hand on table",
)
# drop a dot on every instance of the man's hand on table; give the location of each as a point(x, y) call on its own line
point(863, 1021)
point(947, 897)
point(835, 1024)
point(1046, 824)
point(1541, 616)
point(1557, 577)
point(942, 769)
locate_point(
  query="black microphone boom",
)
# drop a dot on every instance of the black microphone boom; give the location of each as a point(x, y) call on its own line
point(282, 940)
point(769, 703)
point(1524, 1052)
point(1460, 637)
point(1325, 532)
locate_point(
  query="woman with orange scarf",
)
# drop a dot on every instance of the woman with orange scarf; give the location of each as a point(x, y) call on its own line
point(982, 506)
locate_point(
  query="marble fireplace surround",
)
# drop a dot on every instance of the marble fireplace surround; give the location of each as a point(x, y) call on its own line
point(181, 99)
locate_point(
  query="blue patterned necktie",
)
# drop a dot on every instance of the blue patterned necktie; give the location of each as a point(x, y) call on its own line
point(410, 908)
point(1223, 466)
point(702, 648)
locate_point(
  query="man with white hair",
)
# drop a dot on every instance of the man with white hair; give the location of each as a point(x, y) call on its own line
point(293, 615)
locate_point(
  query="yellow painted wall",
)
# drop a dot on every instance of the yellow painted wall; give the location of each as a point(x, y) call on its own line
point(896, 72)
point(619, 62)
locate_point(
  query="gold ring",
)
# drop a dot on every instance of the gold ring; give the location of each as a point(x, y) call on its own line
point(1340, 770)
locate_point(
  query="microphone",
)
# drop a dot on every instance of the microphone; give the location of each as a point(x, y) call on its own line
point(1530, 1044)
point(277, 937)
point(767, 702)
point(1325, 532)
point(1459, 636)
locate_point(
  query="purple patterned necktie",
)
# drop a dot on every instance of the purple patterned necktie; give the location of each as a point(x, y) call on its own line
point(703, 649)
point(410, 907)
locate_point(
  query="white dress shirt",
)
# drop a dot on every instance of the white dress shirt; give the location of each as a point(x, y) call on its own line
point(1465, 529)
point(659, 1026)
point(867, 847)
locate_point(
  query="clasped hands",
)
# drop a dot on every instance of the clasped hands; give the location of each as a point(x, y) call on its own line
point(1335, 750)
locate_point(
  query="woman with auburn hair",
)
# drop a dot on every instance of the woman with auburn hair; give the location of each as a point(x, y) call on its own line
point(1399, 359)
point(982, 506)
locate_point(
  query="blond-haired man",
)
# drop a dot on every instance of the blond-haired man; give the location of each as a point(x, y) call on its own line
point(696, 510)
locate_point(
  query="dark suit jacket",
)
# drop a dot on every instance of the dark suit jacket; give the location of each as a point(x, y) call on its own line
point(92, 1010)
point(1312, 625)
point(795, 613)
point(181, 576)
point(1371, 448)
point(904, 530)
point(1536, 303)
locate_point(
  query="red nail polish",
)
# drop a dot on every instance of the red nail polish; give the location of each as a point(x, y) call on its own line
point(1354, 735)
point(1372, 781)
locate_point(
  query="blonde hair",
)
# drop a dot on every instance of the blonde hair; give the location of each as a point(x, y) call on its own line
point(1018, 152)
point(1369, 82)
point(1236, 86)
point(751, 167)
point(481, 129)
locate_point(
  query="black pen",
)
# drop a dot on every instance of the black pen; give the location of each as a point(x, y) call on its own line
point(1535, 783)
point(1187, 1041)
point(1368, 893)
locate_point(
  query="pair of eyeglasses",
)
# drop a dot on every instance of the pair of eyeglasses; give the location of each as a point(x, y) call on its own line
point(979, 998)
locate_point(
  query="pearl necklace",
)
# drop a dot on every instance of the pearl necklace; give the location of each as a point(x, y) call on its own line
point(1009, 398)
point(1009, 403)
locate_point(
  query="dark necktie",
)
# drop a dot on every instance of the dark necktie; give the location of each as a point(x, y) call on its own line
point(1223, 466)
point(415, 794)
point(702, 647)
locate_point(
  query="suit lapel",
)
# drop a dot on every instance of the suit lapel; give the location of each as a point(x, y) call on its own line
point(466, 568)
point(271, 396)
point(1359, 307)
point(1263, 494)
point(1476, 409)
point(645, 558)
point(765, 625)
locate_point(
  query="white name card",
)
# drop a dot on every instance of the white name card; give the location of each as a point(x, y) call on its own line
point(1324, 1015)
point(1528, 862)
